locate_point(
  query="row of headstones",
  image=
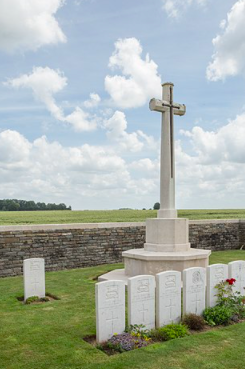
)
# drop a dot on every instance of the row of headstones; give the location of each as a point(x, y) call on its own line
point(156, 301)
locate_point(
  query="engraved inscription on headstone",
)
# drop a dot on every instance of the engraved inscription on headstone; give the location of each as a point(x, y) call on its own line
point(110, 309)
point(194, 285)
point(236, 269)
point(34, 277)
point(141, 301)
point(168, 298)
point(216, 273)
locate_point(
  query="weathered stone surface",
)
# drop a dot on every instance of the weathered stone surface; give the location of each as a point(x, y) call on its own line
point(236, 269)
point(168, 298)
point(69, 246)
point(34, 277)
point(110, 309)
point(141, 301)
point(194, 286)
point(216, 273)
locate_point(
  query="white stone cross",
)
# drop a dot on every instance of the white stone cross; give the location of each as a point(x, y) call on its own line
point(168, 108)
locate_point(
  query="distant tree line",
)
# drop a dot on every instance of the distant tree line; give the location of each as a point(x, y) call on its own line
point(23, 205)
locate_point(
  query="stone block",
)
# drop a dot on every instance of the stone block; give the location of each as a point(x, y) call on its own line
point(141, 301)
point(168, 298)
point(236, 269)
point(194, 286)
point(110, 309)
point(34, 277)
point(216, 273)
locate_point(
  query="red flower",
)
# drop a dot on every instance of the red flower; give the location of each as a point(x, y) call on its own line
point(231, 281)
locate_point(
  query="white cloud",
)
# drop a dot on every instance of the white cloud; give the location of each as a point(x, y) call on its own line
point(29, 24)
point(175, 8)
point(214, 176)
point(45, 83)
point(225, 144)
point(93, 102)
point(229, 46)
point(139, 80)
point(116, 127)
point(82, 176)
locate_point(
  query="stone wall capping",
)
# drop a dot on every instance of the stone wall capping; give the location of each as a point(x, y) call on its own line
point(46, 227)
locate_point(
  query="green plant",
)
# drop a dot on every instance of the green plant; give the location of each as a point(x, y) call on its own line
point(138, 330)
point(31, 299)
point(230, 299)
point(194, 322)
point(170, 332)
point(217, 315)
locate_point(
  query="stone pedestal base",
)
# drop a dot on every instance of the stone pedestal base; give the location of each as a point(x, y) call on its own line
point(167, 235)
point(139, 261)
point(167, 247)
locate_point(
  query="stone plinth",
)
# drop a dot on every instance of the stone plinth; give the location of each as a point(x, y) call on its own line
point(147, 262)
point(167, 235)
point(167, 247)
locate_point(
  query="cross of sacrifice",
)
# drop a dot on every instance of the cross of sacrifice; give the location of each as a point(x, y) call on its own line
point(112, 320)
point(168, 108)
point(196, 301)
point(170, 306)
point(143, 311)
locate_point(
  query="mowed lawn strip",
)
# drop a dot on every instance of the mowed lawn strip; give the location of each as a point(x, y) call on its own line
point(49, 335)
point(104, 216)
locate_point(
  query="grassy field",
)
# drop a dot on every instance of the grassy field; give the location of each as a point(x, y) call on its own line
point(103, 216)
point(51, 335)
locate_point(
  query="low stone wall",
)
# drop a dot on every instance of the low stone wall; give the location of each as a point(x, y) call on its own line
point(69, 246)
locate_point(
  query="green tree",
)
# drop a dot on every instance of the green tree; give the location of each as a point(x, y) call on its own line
point(156, 206)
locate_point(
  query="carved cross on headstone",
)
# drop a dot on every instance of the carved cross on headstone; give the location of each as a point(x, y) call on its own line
point(143, 311)
point(168, 108)
point(196, 301)
point(111, 321)
point(171, 306)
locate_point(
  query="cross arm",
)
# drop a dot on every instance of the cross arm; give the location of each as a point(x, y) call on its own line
point(162, 106)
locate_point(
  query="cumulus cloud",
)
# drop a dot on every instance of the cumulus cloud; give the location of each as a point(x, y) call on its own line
point(47, 170)
point(29, 24)
point(45, 83)
point(93, 102)
point(229, 45)
point(174, 8)
point(215, 174)
point(225, 144)
point(116, 127)
point(139, 80)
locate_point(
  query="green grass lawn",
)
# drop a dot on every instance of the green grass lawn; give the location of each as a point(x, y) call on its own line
point(50, 335)
point(103, 216)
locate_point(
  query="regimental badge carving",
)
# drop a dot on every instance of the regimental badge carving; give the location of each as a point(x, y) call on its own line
point(143, 286)
point(111, 292)
point(197, 277)
point(35, 265)
point(219, 273)
point(170, 281)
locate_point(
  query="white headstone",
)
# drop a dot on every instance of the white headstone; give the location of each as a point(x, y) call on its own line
point(237, 271)
point(34, 277)
point(141, 301)
point(168, 298)
point(110, 309)
point(194, 286)
point(216, 273)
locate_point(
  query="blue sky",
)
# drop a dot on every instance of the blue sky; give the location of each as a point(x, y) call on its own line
point(76, 79)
